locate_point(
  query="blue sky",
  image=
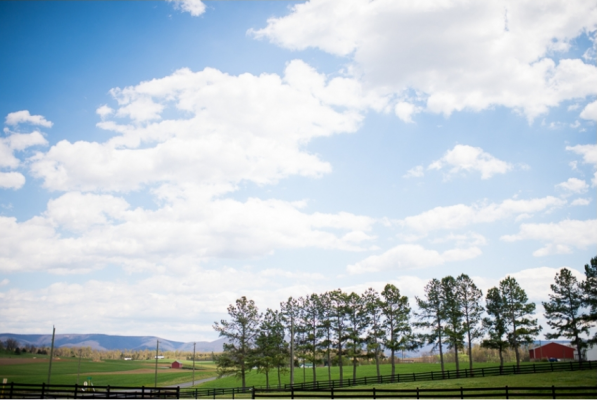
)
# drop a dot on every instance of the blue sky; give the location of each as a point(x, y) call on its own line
point(161, 159)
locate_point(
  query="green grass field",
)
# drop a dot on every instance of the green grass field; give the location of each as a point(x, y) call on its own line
point(33, 369)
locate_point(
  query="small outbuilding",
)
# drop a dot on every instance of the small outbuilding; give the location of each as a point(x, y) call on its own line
point(176, 364)
point(550, 351)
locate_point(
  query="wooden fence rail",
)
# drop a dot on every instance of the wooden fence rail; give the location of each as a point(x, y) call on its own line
point(450, 374)
point(550, 392)
point(28, 391)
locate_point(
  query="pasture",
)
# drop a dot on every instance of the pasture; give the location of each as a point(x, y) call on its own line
point(32, 368)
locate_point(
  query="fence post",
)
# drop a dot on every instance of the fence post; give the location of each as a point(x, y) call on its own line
point(292, 392)
point(108, 392)
point(417, 392)
point(331, 393)
point(534, 369)
point(374, 393)
point(232, 393)
point(431, 375)
point(142, 392)
point(483, 372)
point(550, 363)
point(553, 391)
point(43, 390)
point(571, 367)
point(507, 397)
point(414, 377)
point(12, 385)
point(461, 392)
point(253, 393)
point(76, 387)
point(178, 392)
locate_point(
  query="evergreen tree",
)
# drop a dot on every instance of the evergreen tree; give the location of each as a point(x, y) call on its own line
point(396, 312)
point(310, 323)
point(589, 287)
point(563, 310)
point(358, 320)
point(496, 323)
point(452, 307)
point(269, 345)
point(338, 317)
point(472, 311)
point(518, 310)
point(375, 334)
point(290, 312)
point(431, 316)
point(240, 334)
point(326, 328)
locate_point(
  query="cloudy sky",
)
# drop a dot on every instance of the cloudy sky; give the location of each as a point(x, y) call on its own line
point(161, 159)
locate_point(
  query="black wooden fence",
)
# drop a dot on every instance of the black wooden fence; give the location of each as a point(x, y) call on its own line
point(27, 391)
point(450, 374)
point(550, 392)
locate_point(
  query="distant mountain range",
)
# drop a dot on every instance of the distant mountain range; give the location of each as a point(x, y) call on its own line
point(112, 342)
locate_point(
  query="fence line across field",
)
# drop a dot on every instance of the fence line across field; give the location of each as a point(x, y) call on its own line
point(552, 392)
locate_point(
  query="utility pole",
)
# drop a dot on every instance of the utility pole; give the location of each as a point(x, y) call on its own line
point(157, 352)
point(194, 344)
point(292, 349)
point(79, 369)
point(51, 354)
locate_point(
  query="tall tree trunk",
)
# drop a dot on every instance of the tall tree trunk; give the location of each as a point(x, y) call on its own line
point(292, 351)
point(267, 379)
point(470, 350)
point(393, 364)
point(329, 365)
point(279, 380)
point(377, 360)
point(501, 358)
point(340, 362)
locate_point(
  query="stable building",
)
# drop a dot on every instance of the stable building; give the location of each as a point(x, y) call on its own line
point(176, 364)
point(552, 350)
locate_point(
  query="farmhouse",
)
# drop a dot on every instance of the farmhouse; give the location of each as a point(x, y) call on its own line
point(552, 350)
point(176, 364)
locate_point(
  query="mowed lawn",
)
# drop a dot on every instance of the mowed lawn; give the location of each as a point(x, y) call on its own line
point(254, 378)
point(23, 369)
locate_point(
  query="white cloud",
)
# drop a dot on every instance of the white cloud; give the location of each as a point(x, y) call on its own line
point(193, 7)
point(11, 180)
point(477, 54)
point(590, 111)
point(573, 185)
point(274, 118)
point(405, 111)
point(589, 154)
point(23, 116)
point(411, 256)
point(559, 237)
point(79, 232)
point(104, 111)
point(468, 158)
point(581, 202)
point(460, 215)
point(467, 239)
point(415, 172)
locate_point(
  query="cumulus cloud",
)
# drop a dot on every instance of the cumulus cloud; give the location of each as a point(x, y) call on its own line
point(193, 7)
point(411, 256)
point(589, 155)
point(104, 111)
point(11, 180)
point(415, 172)
point(24, 117)
point(581, 202)
point(560, 238)
point(573, 185)
point(274, 117)
point(467, 158)
point(477, 54)
point(405, 111)
point(461, 215)
point(590, 111)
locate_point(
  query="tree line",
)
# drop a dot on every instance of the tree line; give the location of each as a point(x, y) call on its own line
point(346, 328)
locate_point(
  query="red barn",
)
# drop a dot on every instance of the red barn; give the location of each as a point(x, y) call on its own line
point(176, 364)
point(552, 350)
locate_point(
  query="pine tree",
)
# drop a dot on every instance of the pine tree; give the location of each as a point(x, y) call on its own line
point(589, 287)
point(563, 310)
point(338, 317)
point(431, 316)
point(375, 334)
point(269, 345)
point(310, 322)
point(472, 311)
point(358, 320)
point(240, 334)
point(496, 323)
point(325, 326)
point(396, 312)
point(290, 313)
point(518, 311)
point(452, 306)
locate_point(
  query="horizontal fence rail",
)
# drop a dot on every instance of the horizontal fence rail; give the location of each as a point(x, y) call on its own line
point(27, 391)
point(551, 392)
point(450, 374)
point(214, 392)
